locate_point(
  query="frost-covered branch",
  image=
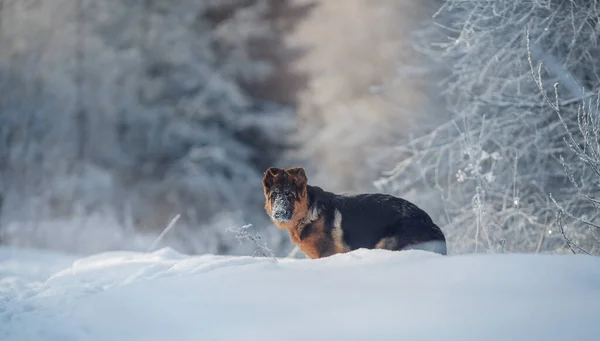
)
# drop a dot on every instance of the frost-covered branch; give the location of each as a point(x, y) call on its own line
point(585, 145)
point(260, 247)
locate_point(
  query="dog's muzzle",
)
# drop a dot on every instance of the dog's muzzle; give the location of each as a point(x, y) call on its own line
point(282, 210)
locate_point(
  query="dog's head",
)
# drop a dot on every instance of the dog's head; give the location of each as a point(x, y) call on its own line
point(285, 193)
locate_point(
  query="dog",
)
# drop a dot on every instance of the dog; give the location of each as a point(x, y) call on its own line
point(322, 223)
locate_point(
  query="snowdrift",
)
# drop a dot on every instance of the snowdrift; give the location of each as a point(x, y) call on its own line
point(362, 295)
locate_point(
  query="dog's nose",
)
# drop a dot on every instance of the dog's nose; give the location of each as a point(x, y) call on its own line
point(282, 215)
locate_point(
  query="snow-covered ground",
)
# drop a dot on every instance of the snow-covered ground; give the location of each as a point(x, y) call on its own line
point(362, 295)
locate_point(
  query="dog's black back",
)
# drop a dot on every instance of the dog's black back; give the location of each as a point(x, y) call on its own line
point(378, 220)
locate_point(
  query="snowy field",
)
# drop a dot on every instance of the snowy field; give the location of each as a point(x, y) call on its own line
point(362, 295)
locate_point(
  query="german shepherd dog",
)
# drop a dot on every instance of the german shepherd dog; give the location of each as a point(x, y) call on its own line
point(322, 223)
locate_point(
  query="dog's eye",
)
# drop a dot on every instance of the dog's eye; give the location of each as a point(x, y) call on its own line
point(288, 193)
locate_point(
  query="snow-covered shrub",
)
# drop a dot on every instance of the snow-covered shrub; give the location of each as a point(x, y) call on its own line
point(487, 173)
point(134, 111)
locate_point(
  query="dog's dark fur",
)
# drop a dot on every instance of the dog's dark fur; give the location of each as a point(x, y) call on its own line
point(323, 223)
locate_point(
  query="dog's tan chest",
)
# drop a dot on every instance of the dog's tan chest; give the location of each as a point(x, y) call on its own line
point(314, 242)
point(317, 242)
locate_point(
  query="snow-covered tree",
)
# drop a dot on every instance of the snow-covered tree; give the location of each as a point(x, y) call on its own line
point(117, 115)
point(493, 166)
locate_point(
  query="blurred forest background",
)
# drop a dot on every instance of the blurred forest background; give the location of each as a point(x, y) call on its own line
point(115, 116)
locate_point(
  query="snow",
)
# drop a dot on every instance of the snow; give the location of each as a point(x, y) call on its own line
point(361, 295)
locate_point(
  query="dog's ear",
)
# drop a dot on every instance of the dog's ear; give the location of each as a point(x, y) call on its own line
point(269, 178)
point(298, 176)
point(297, 173)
